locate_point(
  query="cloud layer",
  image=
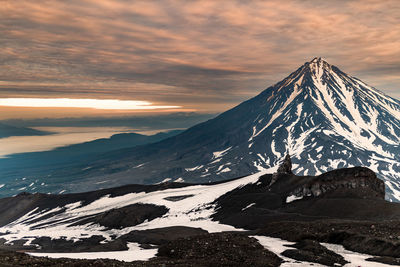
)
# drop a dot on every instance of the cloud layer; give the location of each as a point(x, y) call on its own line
point(204, 55)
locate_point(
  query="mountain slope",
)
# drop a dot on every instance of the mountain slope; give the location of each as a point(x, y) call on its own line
point(325, 118)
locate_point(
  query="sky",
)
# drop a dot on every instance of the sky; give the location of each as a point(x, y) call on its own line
point(184, 56)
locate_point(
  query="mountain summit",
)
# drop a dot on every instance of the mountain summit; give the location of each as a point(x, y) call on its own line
point(324, 117)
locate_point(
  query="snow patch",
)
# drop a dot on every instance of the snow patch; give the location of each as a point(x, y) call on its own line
point(218, 154)
point(166, 180)
point(102, 182)
point(248, 206)
point(194, 168)
point(226, 169)
point(134, 253)
point(179, 180)
point(293, 198)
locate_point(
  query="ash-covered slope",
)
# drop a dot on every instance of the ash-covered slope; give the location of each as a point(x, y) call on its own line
point(324, 117)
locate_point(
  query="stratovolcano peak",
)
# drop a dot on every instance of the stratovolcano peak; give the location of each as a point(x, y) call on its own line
point(318, 65)
point(318, 59)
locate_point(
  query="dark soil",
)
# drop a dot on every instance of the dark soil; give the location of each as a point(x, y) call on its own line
point(222, 249)
point(17, 259)
point(161, 236)
point(126, 216)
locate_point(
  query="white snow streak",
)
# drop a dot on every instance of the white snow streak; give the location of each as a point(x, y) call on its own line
point(134, 253)
point(218, 154)
point(293, 198)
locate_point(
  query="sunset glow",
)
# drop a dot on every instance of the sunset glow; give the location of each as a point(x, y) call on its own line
point(81, 103)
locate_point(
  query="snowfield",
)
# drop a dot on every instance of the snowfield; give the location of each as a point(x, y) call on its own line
point(134, 253)
point(194, 211)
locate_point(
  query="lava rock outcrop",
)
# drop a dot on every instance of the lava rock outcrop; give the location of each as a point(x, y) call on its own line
point(351, 194)
point(358, 181)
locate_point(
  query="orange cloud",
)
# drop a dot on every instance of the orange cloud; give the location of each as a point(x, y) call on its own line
point(184, 52)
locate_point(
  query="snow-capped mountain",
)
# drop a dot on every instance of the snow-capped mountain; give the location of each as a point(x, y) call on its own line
point(328, 119)
point(325, 118)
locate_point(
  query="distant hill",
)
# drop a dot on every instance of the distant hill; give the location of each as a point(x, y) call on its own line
point(8, 130)
point(20, 170)
point(81, 151)
point(117, 141)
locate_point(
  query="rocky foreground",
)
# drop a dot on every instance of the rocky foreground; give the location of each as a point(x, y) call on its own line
point(221, 224)
point(224, 249)
point(231, 249)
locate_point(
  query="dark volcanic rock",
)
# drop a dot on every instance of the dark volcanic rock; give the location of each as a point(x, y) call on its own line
point(386, 260)
point(350, 194)
point(221, 249)
point(126, 216)
point(364, 243)
point(286, 166)
point(160, 236)
point(91, 244)
point(312, 251)
point(177, 198)
point(96, 243)
point(342, 182)
point(374, 238)
point(16, 259)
